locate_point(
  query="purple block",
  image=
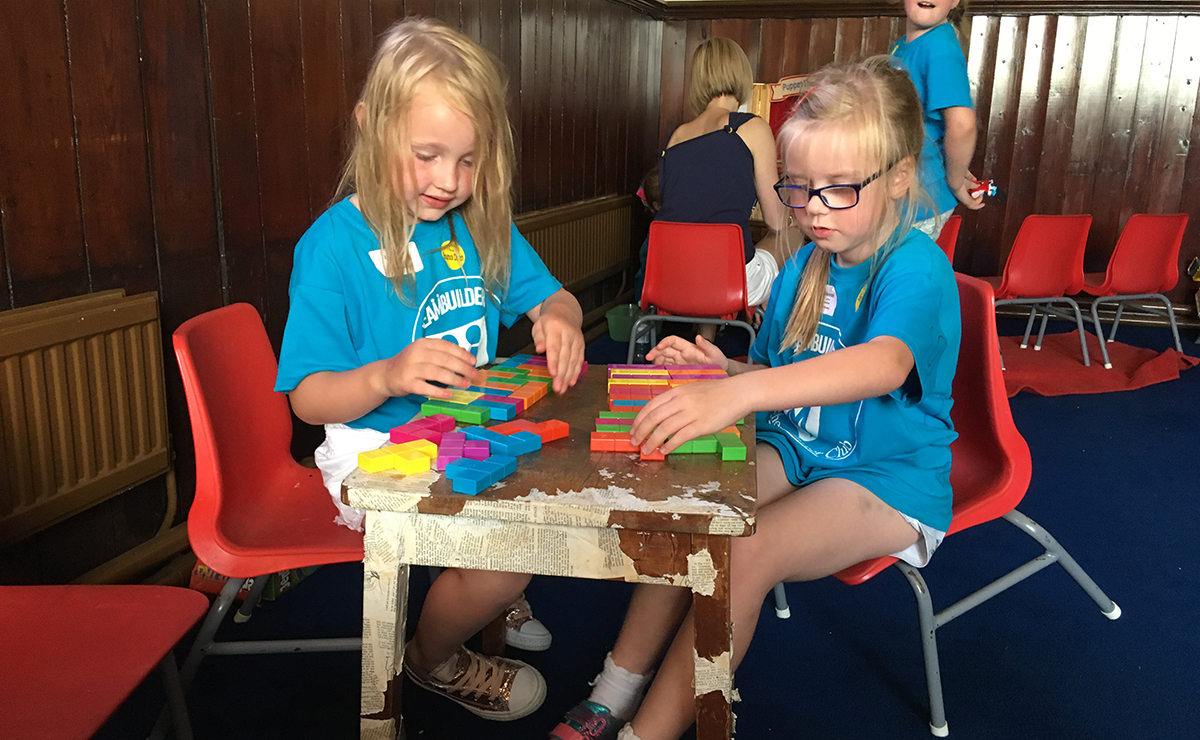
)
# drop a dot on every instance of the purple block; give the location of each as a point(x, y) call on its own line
point(517, 403)
point(444, 459)
point(450, 438)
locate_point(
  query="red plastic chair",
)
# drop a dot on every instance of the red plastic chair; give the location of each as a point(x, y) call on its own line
point(1044, 268)
point(1143, 266)
point(695, 274)
point(948, 239)
point(990, 474)
point(256, 510)
point(71, 655)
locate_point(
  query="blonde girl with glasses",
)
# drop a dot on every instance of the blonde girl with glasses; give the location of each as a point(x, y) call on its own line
point(849, 382)
point(397, 293)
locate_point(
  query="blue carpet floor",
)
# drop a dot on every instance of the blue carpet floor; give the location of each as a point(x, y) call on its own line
point(1114, 480)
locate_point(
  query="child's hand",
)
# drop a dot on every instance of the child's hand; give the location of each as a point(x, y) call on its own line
point(424, 362)
point(562, 342)
point(962, 192)
point(686, 412)
point(679, 351)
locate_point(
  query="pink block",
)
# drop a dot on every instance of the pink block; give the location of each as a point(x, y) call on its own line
point(443, 460)
point(429, 434)
point(440, 422)
point(402, 434)
point(519, 403)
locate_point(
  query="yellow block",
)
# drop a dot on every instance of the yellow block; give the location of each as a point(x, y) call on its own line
point(423, 446)
point(411, 461)
point(374, 461)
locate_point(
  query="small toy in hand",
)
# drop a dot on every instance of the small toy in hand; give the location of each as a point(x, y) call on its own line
point(988, 188)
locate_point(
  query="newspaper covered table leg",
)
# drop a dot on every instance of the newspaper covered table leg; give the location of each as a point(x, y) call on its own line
point(385, 607)
point(708, 575)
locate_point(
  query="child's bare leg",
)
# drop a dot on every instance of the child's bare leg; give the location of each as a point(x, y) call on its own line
point(459, 604)
point(811, 533)
point(708, 331)
point(654, 615)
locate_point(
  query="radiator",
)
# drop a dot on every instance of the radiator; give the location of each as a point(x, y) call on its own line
point(82, 406)
point(583, 240)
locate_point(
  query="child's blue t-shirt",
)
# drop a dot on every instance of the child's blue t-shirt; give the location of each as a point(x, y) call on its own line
point(935, 62)
point(345, 312)
point(896, 446)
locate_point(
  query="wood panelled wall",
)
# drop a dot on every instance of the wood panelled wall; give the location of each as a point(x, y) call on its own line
point(184, 146)
point(1077, 113)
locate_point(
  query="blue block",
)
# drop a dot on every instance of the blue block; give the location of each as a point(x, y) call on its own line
point(500, 411)
point(493, 469)
point(629, 403)
point(470, 482)
point(526, 442)
point(454, 467)
point(499, 443)
point(508, 463)
point(488, 391)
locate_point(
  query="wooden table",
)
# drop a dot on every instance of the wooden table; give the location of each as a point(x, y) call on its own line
point(567, 511)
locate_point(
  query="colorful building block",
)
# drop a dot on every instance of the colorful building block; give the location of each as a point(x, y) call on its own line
point(731, 446)
point(656, 455)
point(411, 461)
point(496, 409)
point(517, 425)
point(373, 461)
point(526, 442)
point(553, 429)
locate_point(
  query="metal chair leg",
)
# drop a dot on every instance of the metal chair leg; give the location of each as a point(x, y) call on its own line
point(246, 610)
point(1100, 332)
point(1029, 326)
point(1082, 334)
point(782, 610)
point(1042, 332)
point(175, 698)
point(1056, 551)
point(928, 625)
point(1171, 320)
point(1116, 320)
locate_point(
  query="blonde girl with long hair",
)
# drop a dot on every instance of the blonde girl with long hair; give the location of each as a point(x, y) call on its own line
point(397, 293)
point(850, 386)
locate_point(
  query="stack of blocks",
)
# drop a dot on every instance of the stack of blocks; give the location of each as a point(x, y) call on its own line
point(632, 386)
point(501, 392)
point(474, 458)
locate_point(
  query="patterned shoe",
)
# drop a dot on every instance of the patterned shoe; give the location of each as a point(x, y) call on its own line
point(493, 688)
point(522, 630)
point(587, 720)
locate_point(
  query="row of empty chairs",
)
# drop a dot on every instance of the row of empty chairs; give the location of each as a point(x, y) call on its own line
point(1045, 268)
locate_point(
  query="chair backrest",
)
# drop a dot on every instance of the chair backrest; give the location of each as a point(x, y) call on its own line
point(991, 464)
point(695, 270)
point(1145, 259)
point(1046, 258)
point(949, 236)
point(242, 431)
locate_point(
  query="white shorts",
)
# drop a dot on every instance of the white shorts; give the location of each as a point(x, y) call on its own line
point(760, 273)
point(337, 457)
point(918, 553)
point(933, 226)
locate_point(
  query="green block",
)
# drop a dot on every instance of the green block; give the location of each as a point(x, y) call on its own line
point(477, 415)
point(685, 448)
point(618, 428)
point(516, 370)
point(513, 383)
point(704, 445)
point(741, 422)
point(731, 447)
point(617, 415)
point(538, 379)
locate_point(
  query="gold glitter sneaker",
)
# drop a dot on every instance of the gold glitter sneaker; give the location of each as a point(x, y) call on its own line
point(522, 630)
point(494, 688)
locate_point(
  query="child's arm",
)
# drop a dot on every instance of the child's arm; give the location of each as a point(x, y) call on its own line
point(335, 397)
point(868, 370)
point(556, 331)
point(959, 145)
point(758, 137)
point(675, 350)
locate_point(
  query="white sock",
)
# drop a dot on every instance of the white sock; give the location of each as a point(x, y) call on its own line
point(626, 733)
point(619, 690)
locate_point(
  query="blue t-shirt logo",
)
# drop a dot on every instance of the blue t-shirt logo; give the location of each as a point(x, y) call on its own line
point(456, 310)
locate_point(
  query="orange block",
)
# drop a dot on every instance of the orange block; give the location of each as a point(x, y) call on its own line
point(553, 429)
point(730, 430)
point(516, 425)
point(656, 455)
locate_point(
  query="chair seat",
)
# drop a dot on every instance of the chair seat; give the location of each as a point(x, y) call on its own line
point(73, 654)
point(1094, 284)
point(288, 525)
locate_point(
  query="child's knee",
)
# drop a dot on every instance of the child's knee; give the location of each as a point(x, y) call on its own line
point(496, 584)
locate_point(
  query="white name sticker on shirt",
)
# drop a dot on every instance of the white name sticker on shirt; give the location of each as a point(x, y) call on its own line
point(381, 264)
point(830, 300)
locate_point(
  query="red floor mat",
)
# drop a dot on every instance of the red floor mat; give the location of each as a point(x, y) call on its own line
point(1057, 369)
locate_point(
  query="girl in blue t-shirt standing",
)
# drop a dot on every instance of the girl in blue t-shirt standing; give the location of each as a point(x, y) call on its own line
point(850, 383)
point(396, 294)
point(931, 53)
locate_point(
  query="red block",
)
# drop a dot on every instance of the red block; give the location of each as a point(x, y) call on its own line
point(656, 455)
point(553, 429)
point(516, 425)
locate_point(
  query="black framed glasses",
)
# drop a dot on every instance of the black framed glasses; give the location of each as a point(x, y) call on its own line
point(835, 197)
